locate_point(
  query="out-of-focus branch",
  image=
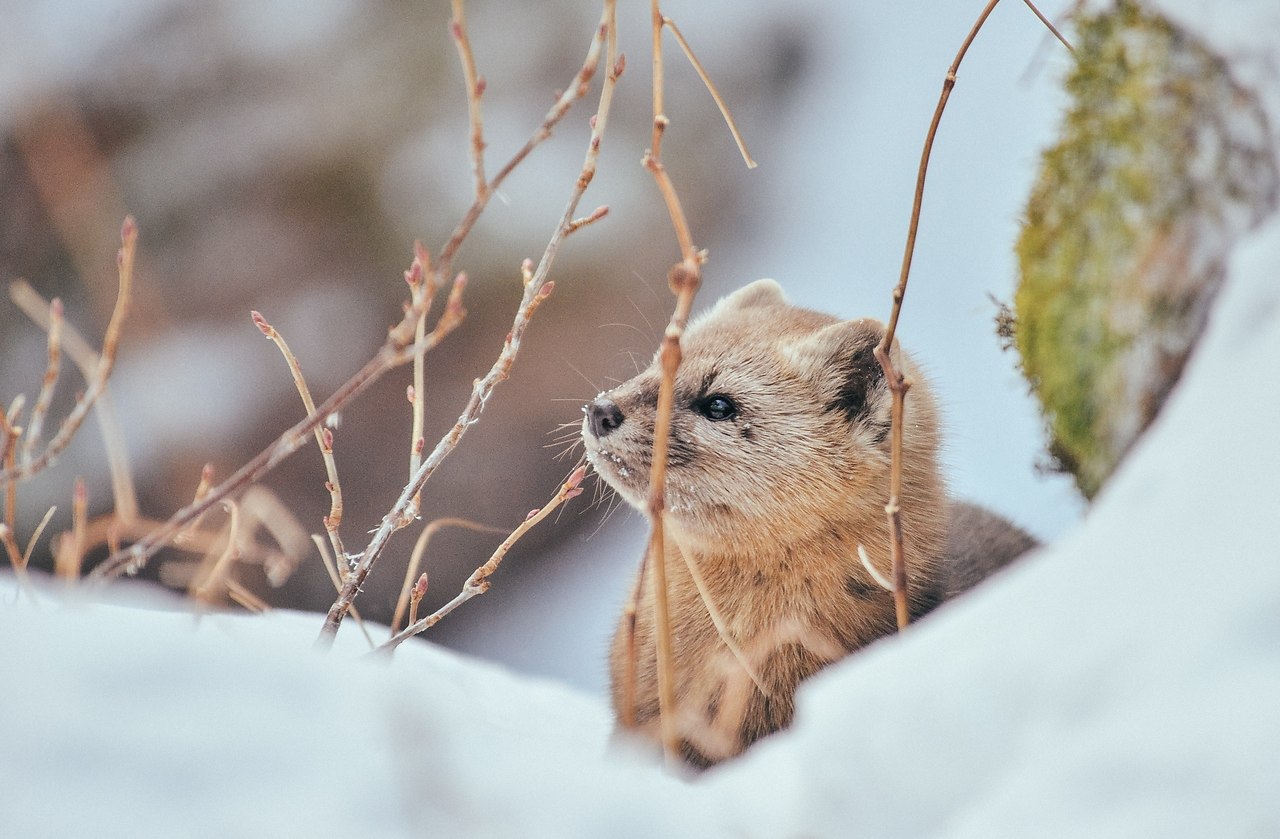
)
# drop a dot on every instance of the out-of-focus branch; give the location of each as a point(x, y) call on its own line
point(536, 289)
point(106, 361)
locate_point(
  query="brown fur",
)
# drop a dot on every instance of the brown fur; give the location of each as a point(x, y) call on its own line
point(770, 504)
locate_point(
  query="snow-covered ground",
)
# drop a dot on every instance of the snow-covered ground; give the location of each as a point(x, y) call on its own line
point(1123, 682)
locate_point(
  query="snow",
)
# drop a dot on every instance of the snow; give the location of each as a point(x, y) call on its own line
point(1124, 681)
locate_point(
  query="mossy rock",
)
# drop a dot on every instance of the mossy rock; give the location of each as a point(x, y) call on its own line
point(1163, 161)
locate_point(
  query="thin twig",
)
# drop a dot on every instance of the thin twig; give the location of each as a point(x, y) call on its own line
point(711, 88)
point(1049, 24)
point(106, 361)
point(684, 279)
point(36, 425)
point(475, 90)
point(898, 385)
point(326, 559)
point(207, 582)
point(16, 559)
point(10, 433)
point(86, 359)
point(536, 289)
point(478, 583)
point(422, 291)
point(323, 435)
point(722, 628)
point(69, 556)
point(415, 559)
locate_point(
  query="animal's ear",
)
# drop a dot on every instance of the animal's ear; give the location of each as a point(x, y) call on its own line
point(759, 293)
point(841, 359)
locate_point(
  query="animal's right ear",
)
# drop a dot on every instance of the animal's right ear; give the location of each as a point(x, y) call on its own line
point(841, 358)
point(759, 293)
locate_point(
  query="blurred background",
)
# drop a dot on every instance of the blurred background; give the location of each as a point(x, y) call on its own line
point(284, 156)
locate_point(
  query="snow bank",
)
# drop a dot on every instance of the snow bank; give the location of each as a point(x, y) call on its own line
point(1124, 682)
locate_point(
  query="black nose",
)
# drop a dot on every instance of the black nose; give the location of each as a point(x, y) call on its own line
point(604, 415)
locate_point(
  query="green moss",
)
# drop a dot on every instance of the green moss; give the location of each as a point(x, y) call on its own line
point(1160, 155)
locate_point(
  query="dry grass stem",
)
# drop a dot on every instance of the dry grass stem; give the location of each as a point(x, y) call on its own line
point(478, 583)
point(86, 359)
point(98, 379)
point(323, 434)
point(536, 289)
point(415, 560)
point(475, 90)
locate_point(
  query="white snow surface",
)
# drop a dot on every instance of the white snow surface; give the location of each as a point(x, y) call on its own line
point(1123, 682)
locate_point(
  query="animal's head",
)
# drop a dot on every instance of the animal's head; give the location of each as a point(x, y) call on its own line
point(780, 421)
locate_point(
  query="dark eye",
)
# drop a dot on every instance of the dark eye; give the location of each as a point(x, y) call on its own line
point(717, 408)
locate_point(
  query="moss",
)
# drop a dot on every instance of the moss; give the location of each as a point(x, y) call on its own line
point(1162, 160)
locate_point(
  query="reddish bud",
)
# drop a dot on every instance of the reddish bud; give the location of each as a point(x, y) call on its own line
point(328, 486)
point(261, 322)
point(80, 494)
point(206, 474)
point(409, 394)
point(419, 445)
point(455, 29)
point(620, 65)
point(128, 230)
point(481, 85)
point(55, 308)
point(573, 493)
point(419, 588)
point(326, 437)
point(549, 287)
point(576, 476)
point(532, 513)
point(592, 121)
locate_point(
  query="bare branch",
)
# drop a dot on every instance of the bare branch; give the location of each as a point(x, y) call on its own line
point(45, 397)
point(323, 435)
point(478, 582)
point(1049, 25)
point(684, 279)
point(415, 559)
point(711, 88)
point(898, 385)
point(86, 359)
point(475, 89)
